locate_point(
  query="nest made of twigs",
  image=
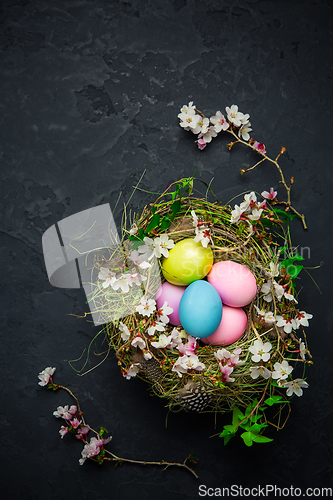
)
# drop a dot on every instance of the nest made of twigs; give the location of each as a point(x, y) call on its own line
point(203, 391)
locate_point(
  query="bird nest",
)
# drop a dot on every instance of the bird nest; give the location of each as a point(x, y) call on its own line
point(247, 376)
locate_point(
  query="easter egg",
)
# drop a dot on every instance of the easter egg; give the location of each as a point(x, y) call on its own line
point(235, 283)
point(172, 295)
point(187, 262)
point(200, 309)
point(232, 327)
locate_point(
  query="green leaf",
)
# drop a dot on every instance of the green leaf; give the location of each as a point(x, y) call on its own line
point(266, 222)
point(285, 216)
point(261, 439)
point(237, 416)
point(247, 438)
point(273, 400)
point(175, 207)
point(154, 222)
point(166, 222)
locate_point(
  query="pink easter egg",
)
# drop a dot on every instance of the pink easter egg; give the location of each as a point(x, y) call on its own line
point(235, 283)
point(172, 295)
point(231, 328)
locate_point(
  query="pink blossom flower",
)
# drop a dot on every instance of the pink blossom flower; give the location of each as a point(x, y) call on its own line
point(82, 432)
point(189, 347)
point(72, 410)
point(93, 448)
point(75, 423)
point(269, 195)
point(63, 431)
point(201, 144)
point(259, 147)
point(226, 370)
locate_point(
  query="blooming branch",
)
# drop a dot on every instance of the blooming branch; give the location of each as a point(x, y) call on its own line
point(94, 449)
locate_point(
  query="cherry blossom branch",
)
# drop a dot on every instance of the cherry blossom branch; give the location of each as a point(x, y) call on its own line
point(275, 162)
point(95, 449)
point(192, 119)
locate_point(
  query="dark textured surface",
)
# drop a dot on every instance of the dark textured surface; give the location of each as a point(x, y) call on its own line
point(90, 92)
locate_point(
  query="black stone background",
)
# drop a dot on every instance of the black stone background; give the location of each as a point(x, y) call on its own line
point(90, 92)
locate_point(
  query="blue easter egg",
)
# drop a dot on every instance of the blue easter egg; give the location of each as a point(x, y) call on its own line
point(200, 309)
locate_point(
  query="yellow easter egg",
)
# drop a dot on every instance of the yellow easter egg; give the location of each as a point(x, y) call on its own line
point(188, 261)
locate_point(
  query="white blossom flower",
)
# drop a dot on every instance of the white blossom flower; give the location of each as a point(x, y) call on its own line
point(222, 355)
point(235, 116)
point(108, 276)
point(156, 325)
point(138, 342)
point(250, 201)
point(288, 324)
point(201, 126)
point(162, 245)
point(125, 335)
point(146, 306)
point(163, 341)
point(302, 349)
point(148, 248)
point(164, 312)
point(195, 218)
point(269, 317)
point(236, 214)
point(274, 270)
point(295, 386)
point(175, 339)
point(188, 109)
point(146, 354)
point(139, 260)
point(260, 350)
point(255, 214)
point(302, 318)
point(189, 120)
point(290, 297)
point(134, 229)
point(255, 371)
point(45, 376)
point(244, 131)
point(219, 122)
point(180, 366)
point(63, 412)
point(193, 363)
point(266, 289)
point(203, 235)
point(208, 135)
point(281, 370)
point(122, 282)
point(135, 278)
point(132, 371)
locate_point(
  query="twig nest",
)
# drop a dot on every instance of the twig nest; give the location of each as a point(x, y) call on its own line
point(218, 333)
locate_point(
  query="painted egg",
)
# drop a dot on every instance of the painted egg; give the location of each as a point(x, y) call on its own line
point(232, 327)
point(235, 283)
point(200, 309)
point(172, 295)
point(187, 262)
